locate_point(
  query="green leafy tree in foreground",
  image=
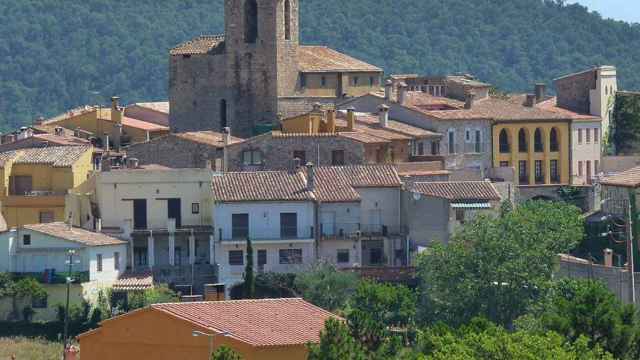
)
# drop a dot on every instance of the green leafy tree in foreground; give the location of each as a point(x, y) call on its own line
point(225, 353)
point(336, 343)
point(249, 276)
point(327, 287)
point(497, 267)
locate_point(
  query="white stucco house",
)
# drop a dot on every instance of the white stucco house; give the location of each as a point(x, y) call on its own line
point(275, 209)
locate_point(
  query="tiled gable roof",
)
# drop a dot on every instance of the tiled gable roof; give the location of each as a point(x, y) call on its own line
point(212, 138)
point(56, 156)
point(259, 323)
point(458, 190)
point(143, 125)
point(204, 44)
point(75, 234)
point(324, 59)
point(158, 106)
point(134, 281)
point(551, 105)
point(261, 186)
point(627, 178)
point(339, 183)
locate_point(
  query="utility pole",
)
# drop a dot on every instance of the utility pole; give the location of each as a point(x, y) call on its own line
point(630, 250)
point(69, 280)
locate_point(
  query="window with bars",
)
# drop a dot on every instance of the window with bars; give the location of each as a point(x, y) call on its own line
point(554, 171)
point(290, 256)
point(539, 172)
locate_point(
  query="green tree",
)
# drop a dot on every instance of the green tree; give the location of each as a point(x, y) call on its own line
point(336, 343)
point(249, 276)
point(585, 308)
point(497, 266)
point(225, 353)
point(326, 287)
point(157, 295)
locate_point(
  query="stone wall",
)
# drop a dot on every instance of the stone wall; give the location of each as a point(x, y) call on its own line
point(174, 152)
point(574, 91)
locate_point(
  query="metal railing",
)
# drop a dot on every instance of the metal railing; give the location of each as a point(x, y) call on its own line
point(284, 234)
point(351, 230)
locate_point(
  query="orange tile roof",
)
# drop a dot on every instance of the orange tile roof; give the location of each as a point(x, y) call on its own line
point(56, 156)
point(261, 186)
point(363, 137)
point(551, 105)
point(259, 323)
point(339, 183)
point(369, 123)
point(143, 125)
point(134, 281)
point(203, 44)
point(628, 178)
point(158, 106)
point(75, 234)
point(421, 168)
point(458, 190)
point(207, 137)
point(324, 59)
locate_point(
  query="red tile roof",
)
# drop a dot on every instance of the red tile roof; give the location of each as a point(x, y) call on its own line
point(134, 281)
point(628, 178)
point(458, 190)
point(339, 183)
point(259, 323)
point(204, 44)
point(261, 186)
point(324, 59)
point(78, 235)
point(551, 105)
point(143, 125)
point(207, 137)
point(56, 156)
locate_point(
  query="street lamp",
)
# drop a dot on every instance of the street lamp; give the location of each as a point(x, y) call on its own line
point(196, 333)
point(69, 280)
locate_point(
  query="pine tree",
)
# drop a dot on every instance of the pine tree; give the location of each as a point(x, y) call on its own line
point(249, 277)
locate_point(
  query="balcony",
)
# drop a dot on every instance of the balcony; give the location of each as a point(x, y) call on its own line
point(285, 233)
point(345, 231)
point(36, 198)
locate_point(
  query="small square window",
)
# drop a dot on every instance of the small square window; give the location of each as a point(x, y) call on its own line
point(26, 239)
point(236, 257)
point(323, 81)
point(343, 256)
point(195, 208)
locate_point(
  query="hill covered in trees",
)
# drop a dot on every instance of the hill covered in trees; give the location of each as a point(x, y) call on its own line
point(56, 55)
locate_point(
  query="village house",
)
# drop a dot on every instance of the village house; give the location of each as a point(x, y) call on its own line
point(42, 251)
point(35, 181)
point(151, 112)
point(211, 88)
point(267, 329)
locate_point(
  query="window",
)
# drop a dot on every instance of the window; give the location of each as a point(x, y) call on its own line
point(236, 257)
point(99, 262)
point(290, 256)
point(323, 81)
point(262, 257)
point(504, 164)
point(21, 185)
point(539, 173)
point(300, 154)
point(435, 147)
point(421, 148)
point(580, 172)
point(372, 80)
point(116, 261)
point(303, 80)
point(452, 141)
point(250, 21)
point(26, 239)
point(579, 136)
point(252, 157)
point(523, 146)
point(356, 79)
point(140, 256)
point(467, 135)
point(337, 157)
point(478, 142)
point(554, 145)
point(46, 217)
point(596, 136)
point(538, 146)
point(554, 171)
point(239, 226)
point(504, 142)
point(343, 256)
point(588, 136)
point(287, 20)
point(195, 208)
point(596, 166)
point(522, 172)
point(588, 172)
point(288, 225)
point(460, 215)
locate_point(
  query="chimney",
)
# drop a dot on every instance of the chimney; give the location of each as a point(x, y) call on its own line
point(530, 100)
point(351, 118)
point(331, 121)
point(388, 90)
point(402, 93)
point(311, 177)
point(608, 257)
point(383, 115)
point(540, 92)
point(469, 98)
point(116, 112)
point(226, 138)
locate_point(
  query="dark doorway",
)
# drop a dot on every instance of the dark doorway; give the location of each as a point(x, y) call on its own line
point(174, 207)
point(140, 214)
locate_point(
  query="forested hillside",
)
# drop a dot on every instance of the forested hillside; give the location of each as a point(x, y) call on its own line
point(59, 54)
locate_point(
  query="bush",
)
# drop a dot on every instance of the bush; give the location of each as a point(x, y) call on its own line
point(327, 287)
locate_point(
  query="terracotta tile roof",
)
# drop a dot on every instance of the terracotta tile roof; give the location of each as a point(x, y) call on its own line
point(628, 178)
point(551, 105)
point(259, 323)
point(363, 137)
point(458, 190)
point(56, 156)
point(339, 183)
point(158, 106)
point(142, 125)
point(324, 59)
point(134, 281)
point(75, 234)
point(64, 140)
point(212, 138)
point(261, 186)
point(421, 168)
point(369, 123)
point(204, 44)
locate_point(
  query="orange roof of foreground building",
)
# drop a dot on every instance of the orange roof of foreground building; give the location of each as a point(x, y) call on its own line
point(629, 178)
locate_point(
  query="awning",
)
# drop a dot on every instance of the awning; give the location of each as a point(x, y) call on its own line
point(471, 206)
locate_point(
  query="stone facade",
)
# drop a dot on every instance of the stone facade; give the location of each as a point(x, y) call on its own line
point(175, 152)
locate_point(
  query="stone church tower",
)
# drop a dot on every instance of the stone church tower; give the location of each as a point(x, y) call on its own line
point(235, 80)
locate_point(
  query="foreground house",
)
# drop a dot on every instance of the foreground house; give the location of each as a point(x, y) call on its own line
point(256, 329)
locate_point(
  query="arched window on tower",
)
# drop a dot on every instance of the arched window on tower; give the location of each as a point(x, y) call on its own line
point(538, 145)
point(250, 21)
point(223, 114)
point(523, 146)
point(554, 144)
point(287, 19)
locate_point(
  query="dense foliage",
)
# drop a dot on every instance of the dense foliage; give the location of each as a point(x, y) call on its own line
point(55, 56)
point(327, 287)
point(625, 134)
point(225, 353)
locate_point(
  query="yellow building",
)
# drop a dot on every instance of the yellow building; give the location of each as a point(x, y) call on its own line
point(34, 182)
point(268, 329)
point(538, 150)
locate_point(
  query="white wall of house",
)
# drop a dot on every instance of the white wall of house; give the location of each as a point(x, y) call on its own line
point(330, 248)
point(585, 152)
point(601, 98)
point(337, 218)
point(380, 206)
point(109, 272)
point(116, 189)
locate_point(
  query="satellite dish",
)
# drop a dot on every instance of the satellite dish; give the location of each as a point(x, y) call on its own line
point(417, 196)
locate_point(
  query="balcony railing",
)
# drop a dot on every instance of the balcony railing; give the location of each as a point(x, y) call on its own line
point(284, 234)
point(352, 230)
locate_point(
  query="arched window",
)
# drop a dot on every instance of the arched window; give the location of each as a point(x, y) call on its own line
point(523, 146)
point(287, 19)
point(223, 114)
point(554, 144)
point(250, 21)
point(504, 142)
point(538, 144)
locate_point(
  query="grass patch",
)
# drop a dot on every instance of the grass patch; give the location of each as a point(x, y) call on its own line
point(31, 349)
